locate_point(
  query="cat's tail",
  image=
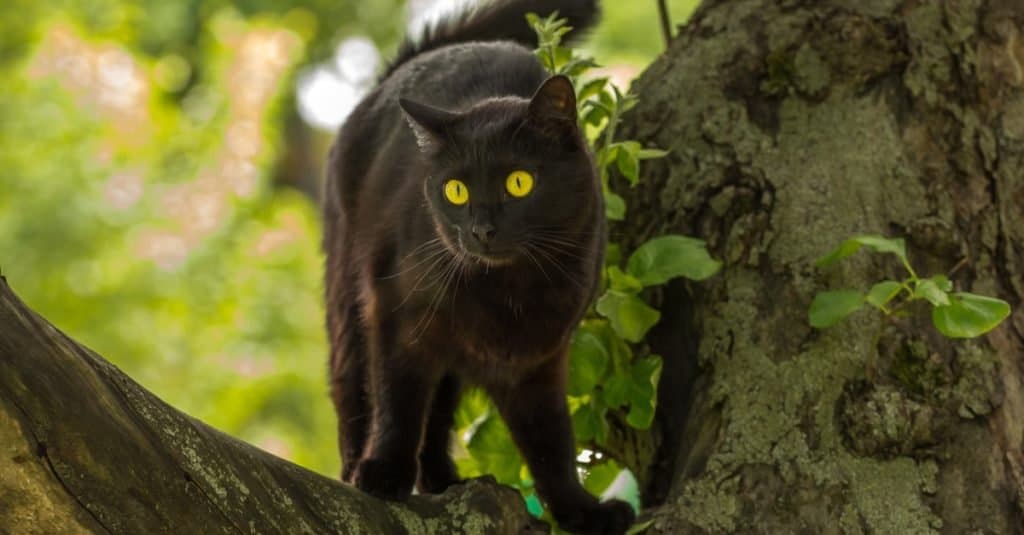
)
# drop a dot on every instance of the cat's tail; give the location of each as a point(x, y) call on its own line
point(496, 20)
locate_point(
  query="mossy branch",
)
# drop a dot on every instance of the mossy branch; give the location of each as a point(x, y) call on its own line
point(83, 448)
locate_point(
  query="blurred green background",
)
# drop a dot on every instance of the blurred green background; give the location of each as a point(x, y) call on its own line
point(159, 166)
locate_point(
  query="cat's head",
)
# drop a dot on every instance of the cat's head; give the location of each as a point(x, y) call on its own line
point(509, 178)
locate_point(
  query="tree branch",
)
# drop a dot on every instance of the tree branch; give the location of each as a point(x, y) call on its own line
point(83, 448)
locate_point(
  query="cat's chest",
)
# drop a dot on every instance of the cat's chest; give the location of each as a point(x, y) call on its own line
point(513, 322)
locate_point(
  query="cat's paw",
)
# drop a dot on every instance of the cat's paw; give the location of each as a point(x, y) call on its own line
point(384, 479)
point(612, 517)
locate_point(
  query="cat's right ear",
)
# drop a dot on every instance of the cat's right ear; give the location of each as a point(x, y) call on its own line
point(427, 122)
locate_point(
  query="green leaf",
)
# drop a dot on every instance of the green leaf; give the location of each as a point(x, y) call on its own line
point(877, 243)
point(928, 289)
point(969, 315)
point(623, 282)
point(613, 254)
point(588, 362)
point(599, 477)
point(628, 161)
point(630, 317)
point(615, 391)
point(473, 406)
point(589, 423)
point(643, 396)
point(594, 115)
point(492, 448)
point(828, 308)
point(614, 206)
point(607, 155)
point(844, 250)
point(666, 257)
point(942, 282)
point(591, 88)
point(578, 66)
point(881, 244)
point(883, 292)
point(651, 154)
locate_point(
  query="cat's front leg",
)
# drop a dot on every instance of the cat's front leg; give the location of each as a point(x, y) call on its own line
point(402, 384)
point(535, 410)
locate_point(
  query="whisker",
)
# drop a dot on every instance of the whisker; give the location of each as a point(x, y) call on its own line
point(553, 260)
point(441, 249)
point(535, 261)
point(419, 281)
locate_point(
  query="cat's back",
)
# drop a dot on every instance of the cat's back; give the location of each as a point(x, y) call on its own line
point(456, 76)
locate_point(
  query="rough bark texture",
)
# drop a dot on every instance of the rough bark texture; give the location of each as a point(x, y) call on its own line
point(794, 125)
point(85, 449)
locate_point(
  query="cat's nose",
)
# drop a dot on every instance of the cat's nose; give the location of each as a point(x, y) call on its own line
point(484, 232)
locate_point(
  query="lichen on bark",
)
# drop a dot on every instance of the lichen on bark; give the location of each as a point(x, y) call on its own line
point(792, 126)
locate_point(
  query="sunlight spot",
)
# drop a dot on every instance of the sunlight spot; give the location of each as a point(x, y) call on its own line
point(325, 99)
point(357, 60)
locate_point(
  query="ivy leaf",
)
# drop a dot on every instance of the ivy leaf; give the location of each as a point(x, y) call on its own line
point(666, 257)
point(969, 315)
point(614, 206)
point(623, 282)
point(588, 362)
point(651, 154)
point(883, 292)
point(600, 476)
point(637, 390)
point(643, 397)
point(879, 244)
point(928, 289)
point(829, 308)
point(630, 317)
point(589, 423)
point(615, 391)
point(628, 161)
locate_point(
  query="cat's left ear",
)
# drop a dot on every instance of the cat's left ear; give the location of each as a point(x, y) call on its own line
point(553, 106)
point(428, 122)
point(552, 113)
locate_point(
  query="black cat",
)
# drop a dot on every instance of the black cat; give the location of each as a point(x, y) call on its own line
point(464, 238)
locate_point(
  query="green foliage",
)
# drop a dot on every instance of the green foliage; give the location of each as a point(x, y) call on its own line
point(606, 376)
point(955, 315)
point(119, 221)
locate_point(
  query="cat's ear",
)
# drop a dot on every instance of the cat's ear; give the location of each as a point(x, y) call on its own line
point(553, 107)
point(554, 101)
point(427, 122)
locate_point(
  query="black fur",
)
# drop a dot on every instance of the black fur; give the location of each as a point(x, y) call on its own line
point(425, 296)
point(496, 20)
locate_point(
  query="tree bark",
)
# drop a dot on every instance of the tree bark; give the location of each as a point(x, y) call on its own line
point(83, 448)
point(792, 126)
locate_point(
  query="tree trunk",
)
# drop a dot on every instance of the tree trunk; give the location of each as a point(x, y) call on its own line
point(794, 125)
point(83, 448)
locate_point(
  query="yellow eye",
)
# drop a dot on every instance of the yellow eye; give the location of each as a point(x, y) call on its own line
point(456, 192)
point(519, 183)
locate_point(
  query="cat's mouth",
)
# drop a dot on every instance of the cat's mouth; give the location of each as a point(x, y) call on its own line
point(489, 254)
